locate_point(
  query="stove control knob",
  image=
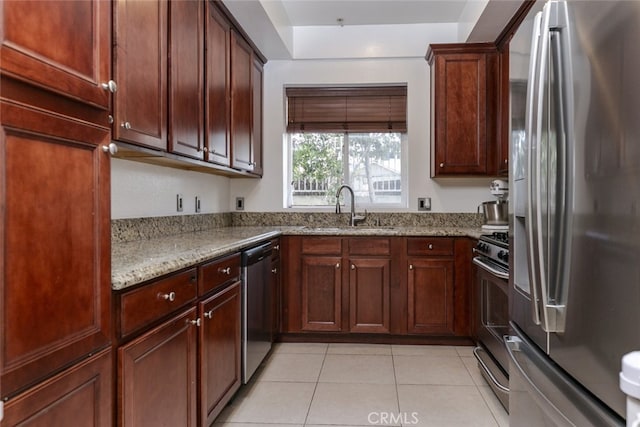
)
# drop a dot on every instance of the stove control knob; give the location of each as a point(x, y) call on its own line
point(502, 256)
point(506, 257)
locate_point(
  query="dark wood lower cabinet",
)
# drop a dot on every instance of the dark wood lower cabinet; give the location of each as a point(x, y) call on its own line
point(79, 396)
point(157, 375)
point(369, 295)
point(430, 296)
point(366, 288)
point(321, 293)
point(220, 346)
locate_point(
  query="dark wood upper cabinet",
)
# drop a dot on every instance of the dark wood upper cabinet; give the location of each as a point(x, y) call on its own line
point(218, 91)
point(241, 111)
point(464, 109)
point(56, 280)
point(256, 117)
point(60, 45)
point(186, 69)
point(140, 68)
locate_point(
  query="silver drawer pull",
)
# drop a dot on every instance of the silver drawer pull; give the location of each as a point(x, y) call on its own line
point(430, 245)
point(171, 296)
point(410, 266)
point(225, 270)
point(274, 270)
point(209, 314)
point(195, 322)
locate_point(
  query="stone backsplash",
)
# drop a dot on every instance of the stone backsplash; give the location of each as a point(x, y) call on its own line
point(126, 230)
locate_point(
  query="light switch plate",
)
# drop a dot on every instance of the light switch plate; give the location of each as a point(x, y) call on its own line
point(179, 206)
point(424, 203)
point(239, 203)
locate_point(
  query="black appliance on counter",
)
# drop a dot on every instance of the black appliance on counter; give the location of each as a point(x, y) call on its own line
point(491, 311)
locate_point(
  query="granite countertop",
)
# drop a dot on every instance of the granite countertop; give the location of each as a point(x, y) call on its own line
point(141, 260)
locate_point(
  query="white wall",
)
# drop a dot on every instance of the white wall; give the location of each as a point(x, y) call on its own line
point(267, 194)
point(142, 190)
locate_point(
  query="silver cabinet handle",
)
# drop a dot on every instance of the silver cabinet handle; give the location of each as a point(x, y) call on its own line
point(125, 125)
point(441, 165)
point(209, 314)
point(338, 265)
point(195, 322)
point(276, 248)
point(430, 246)
point(225, 270)
point(112, 148)
point(353, 267)
point(274, 271)
point(111, 86)
point(410, 266)
point(205, 149)
point(110, 119)
point(171, 296)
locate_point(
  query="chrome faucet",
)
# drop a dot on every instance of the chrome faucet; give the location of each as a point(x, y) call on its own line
point(355, 219)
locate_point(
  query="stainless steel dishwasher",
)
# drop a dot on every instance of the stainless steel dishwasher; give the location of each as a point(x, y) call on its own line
point(257, 333)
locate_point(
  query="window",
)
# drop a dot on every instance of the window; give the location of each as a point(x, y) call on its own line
point(351, 136)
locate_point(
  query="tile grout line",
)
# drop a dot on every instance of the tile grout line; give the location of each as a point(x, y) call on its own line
point(313, 395)
point(395, 378)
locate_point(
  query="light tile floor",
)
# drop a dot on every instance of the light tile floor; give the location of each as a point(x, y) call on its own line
point(340, 385)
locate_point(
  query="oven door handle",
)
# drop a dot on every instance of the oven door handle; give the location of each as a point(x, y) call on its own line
point(501, 274)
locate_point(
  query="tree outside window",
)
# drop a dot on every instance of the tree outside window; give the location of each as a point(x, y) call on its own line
point(369, 162)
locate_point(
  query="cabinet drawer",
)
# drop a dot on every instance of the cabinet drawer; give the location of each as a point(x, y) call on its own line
point(219, 272)
point(144, 305)
point(322, 246)
point(429, 246)
point(370, 246)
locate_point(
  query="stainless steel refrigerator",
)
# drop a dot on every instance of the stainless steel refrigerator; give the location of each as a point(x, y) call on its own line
point(575, 219)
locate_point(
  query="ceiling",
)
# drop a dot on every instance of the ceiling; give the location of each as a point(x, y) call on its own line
point(377, 12)
point(309, 29)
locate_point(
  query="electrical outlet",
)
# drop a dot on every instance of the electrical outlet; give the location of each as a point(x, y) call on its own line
point(197, 204)
point(179, 202)
point(239, 203)
point(424, 203)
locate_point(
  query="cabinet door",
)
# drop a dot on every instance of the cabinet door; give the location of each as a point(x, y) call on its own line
point(241, 110)
point(460, 140)
point(321, 293)
point(60, 45)
point(256, 117)
point(157, 373)
point(217, 93)
point(56, 275)
point(430, 296)
point(186, 78)
point(79, 396)
point(220, 357)
point(140, 67)
point(369, 295)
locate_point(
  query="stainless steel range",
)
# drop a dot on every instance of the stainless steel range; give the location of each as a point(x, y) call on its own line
point(491, 311)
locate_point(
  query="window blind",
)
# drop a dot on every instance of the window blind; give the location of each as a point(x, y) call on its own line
point(347, 109)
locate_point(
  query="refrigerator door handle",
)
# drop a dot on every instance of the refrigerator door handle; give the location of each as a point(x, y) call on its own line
point(563, 75)
point(529, 119)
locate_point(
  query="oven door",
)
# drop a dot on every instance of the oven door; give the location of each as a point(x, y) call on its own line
point(491, 324)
